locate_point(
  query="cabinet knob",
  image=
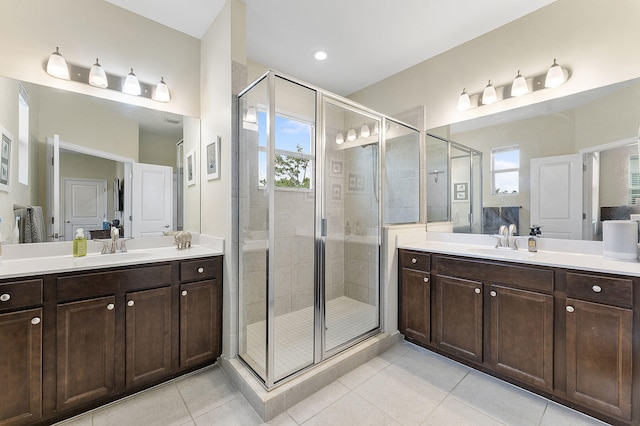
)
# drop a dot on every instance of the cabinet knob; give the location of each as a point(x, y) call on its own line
point(425, 279)
point(35, 320)
point(414, 260)
point(131, 303)
point(184, 292)
point(5, 297)
point(570, 309)
point(493, 293)
point(477, 291)
point(200, 270)
point(110, 306)
point(596, 288)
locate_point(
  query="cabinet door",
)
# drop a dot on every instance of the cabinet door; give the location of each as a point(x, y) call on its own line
point(415, 305)
point(85, 350)
point(21, 367)
point(459, 317)
point(148, 335)
point(599, 354)
point(522, 335)
point(200, 322)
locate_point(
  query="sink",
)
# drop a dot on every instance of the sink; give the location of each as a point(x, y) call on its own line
point(105, 259)
point(502, 253)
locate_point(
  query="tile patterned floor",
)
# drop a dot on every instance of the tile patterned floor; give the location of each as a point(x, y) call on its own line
point(346, 319)
point(405, 385)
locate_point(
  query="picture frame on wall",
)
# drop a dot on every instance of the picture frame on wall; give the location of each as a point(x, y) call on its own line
point(213, 159)
point(190, 168)
point(461, 191)
point(5, 160)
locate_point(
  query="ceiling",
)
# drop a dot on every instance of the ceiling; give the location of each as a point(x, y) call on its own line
point(367, 40)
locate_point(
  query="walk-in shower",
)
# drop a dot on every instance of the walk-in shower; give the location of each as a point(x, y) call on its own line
point(454, 184)
point(309, 225)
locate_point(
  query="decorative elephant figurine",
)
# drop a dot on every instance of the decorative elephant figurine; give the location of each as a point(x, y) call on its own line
point(183, 239)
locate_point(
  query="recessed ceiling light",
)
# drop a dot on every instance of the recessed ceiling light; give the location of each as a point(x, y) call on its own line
point(320, 55)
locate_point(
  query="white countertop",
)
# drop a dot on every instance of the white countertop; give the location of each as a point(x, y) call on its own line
point(483, 248)
point(46, 258)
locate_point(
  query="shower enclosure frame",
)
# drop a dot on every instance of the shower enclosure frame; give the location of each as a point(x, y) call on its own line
point(473, 153)
point(322, 99)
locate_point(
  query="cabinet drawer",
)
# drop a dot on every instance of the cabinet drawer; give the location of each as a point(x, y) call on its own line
point(415, 260)
point(201, 269)
point(18, 294)
point(601, 289)
point(96, 284)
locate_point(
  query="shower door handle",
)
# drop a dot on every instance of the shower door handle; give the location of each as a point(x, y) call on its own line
point(323, 227)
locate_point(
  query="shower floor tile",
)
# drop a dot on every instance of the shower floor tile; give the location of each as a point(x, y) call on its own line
point(293, 334)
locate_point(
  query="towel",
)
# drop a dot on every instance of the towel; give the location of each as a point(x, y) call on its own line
point(31, 223)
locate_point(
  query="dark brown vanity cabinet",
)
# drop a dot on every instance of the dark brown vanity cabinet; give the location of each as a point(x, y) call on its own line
point(496, 315)
point(414, 316)
point(566, 334)
point(200, 311)
point(599, 342)
point(21, 352)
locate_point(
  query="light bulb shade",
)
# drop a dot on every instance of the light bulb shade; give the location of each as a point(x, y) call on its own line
point(351, 135)
point(339, 138)
point(555, 76)
point(57, 66)
point(97, 76)
point(250, 116)
point(162, 92)
point(489, 94)
point(464, 101)
point(376, 128)
point(131, 85)
point(519, 86)
point(364, 131)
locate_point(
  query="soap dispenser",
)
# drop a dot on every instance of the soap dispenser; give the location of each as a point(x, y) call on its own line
point(79, 243)
point(532, 243)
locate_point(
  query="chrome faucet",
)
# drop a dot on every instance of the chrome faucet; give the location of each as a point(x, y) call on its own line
point(507, 237)
point(115, 244)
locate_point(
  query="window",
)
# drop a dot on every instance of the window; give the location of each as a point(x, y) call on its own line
point(505, 170)
point(634, 180)
point(23, 135)
point(294, 156)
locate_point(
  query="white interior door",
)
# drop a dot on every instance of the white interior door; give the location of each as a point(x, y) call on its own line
point(85, 205)
point(152, 198)
point(556, 195)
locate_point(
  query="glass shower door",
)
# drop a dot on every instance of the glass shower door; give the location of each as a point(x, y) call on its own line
point(351, 215)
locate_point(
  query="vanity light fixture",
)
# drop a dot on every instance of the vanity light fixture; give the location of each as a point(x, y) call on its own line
point(339, 138)
point(519, 86)
point(376, 127)
point(364, 131)
point(57, 66)
point(351, 135)
point(464, 101)
point(97, 76)
point(161, 93)
point(489, 94)
point(555, 75)
point(131, 85)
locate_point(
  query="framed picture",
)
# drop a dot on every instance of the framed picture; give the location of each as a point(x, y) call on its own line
point(336, 168)
point(356, 182)
point(5, 161)
point(190, 168)
point(461, 191)
point(336, 192)
point(213, 159)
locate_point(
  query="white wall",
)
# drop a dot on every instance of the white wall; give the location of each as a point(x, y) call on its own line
point(222, 44)
point(583, 35)
point(85, 29)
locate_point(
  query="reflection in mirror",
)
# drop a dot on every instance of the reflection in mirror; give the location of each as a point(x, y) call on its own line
point(599, 127)
point(108, 129)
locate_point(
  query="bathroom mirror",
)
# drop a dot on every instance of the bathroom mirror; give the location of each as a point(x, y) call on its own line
point(600, 125)
point(107, 132)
